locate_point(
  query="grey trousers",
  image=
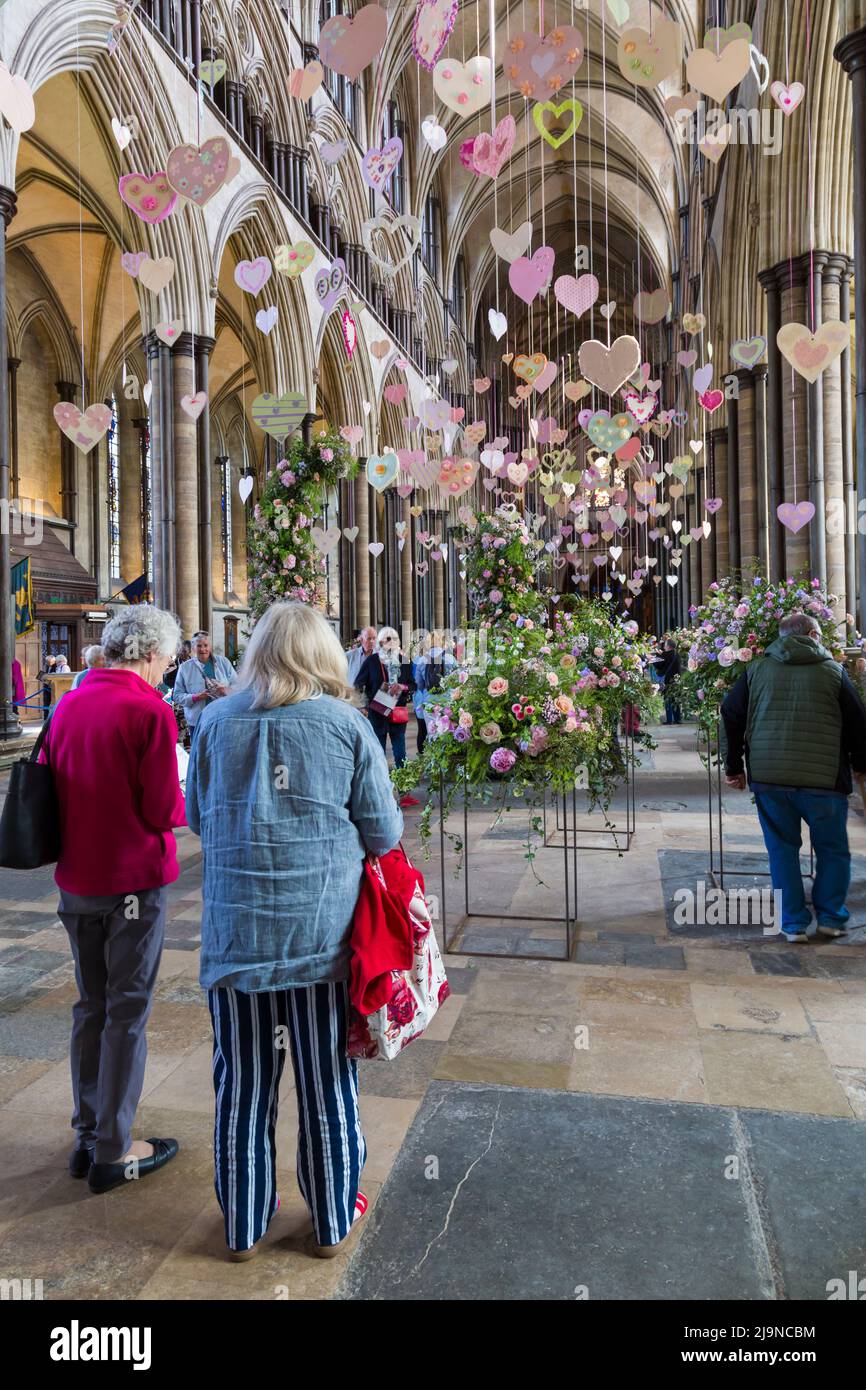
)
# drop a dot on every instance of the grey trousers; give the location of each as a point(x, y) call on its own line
point(117, 945)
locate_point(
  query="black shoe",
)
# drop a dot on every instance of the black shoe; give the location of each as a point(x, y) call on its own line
point(80, 1160)
point(104, 1176)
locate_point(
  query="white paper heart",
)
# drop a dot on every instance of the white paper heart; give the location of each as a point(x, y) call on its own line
point(245, 486)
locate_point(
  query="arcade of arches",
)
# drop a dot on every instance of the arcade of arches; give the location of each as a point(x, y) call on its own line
point(704, 241)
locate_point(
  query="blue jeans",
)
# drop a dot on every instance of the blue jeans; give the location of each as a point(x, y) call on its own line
point(382, 728)
point(780, 811)
point(673, 714)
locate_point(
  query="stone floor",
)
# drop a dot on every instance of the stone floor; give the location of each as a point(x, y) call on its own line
point(677, 1108)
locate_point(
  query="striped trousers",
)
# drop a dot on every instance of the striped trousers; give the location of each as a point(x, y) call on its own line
point(250, 1035)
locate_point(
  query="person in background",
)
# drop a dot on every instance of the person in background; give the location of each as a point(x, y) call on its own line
point(797, 723)
point(19, 694)
point(668, 667)
point(184, 652)
point(61, 665)
point(429, 670)
point(388, 667)
point(283, 858)
point(203, 678)
point(110, 747)
point(364, 644)
point(94, 660)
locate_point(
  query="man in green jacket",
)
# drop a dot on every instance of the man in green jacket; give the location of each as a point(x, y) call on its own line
point(801, 725)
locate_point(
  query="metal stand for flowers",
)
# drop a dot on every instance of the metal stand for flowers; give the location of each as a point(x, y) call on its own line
point(568, 920)
point(593, 834)
point(718, 867)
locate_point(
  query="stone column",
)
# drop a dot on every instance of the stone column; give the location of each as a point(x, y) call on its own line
point(9, 723)
point(775, 455)
point(795, 433)
point(130, 499)
point(848, 483)
point(67, 391)
point(814, 306)
point(407, 595)
point(851, 53)
point(186, 487)
point(836, 389)
point(14, 364)
point(747, 455)
point(719, 446)
point(151, 346)
point(362, 555)
point(692, 554)
point(203, 349)
point(732, 500)
point(438, 522)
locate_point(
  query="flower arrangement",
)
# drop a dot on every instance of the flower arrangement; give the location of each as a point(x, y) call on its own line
point(609, 658)
point(283, 561)
point(735, 625)
point(501, 567)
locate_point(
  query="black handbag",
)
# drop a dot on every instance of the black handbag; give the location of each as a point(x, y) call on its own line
point(30, 823)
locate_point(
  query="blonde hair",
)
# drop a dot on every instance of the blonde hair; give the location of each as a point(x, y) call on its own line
point(293, 655)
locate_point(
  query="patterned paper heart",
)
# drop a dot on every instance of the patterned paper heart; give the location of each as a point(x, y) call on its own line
point(713, 504)
point(252, 276)
point(85, 430)
point(169, 332)
point(489, 152)
point(378, 165)
point(435, 414)
point(329, 285)
point(212, 70)
point(305, 82)
point(150, 196)
point(609, 433)
point(694, 323)
point(529, 368)
point(746, 352)
point(463, 87)
point(132, 261)
point(576, 295)
point(810, 354)
point(795, 515)
point(198, 172)
point(457, 475)
point(278, 416)
point(540, 67)
point(648, 59)
point(711, 400)
point(787, 97)
point(348, 45)
point(434, 20)
point(194, 405)
point(641, 408)
point(294, 260)
point(382, 470)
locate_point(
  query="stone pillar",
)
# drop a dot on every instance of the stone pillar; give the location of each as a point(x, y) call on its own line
point(769, 280)
point(848, 483)
point(814, 307)
point(186, 488)
point(407, 595)
point(203, 349)
point(747, 455)
point(152, 346)
point(851, 53)
point(363, 617)
point(733, 492)
point(9, 723)
point(719, 447)
point(759, 378)
point(129, 499)
point(145, 522)
point(438, 522)
point(795, 433)
point(836, 424)
point(67, 391)
point(14, 364)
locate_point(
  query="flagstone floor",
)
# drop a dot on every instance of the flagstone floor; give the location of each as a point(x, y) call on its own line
point(563, 1126)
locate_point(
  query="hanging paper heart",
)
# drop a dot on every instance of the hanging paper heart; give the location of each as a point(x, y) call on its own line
point(715, 142)
point(450, 365)
point(719, 38)
point(380, 349)
point(509, 245)
point(576, 390)
point(711, 400)
point(121, 132)
point(305, 82)
point(391, 227)
point(332, 151)
point(529, 368)
point(350, 333)
point(378, 165)
point(481, 384)
point(528, 278)
point(245, 486)
point(609, 368)
point(463, 87)
point(150, 196)
point(810, 354)
point(329, 285)
point(169, 332)
point(641, 408)
point(609, 433)
point(694, 323)
point(194, 405)
point(713, 504)
point(489, 152)
point(717, 74)
point(630, 450)
point(155, 275)
point(651, 306)
point(351, 534)
point(547, 376)
point(147, 392)
point(787, 96)
point(16, 101)
point(252, 276)
point(747, 351)
point(293, 260)
point(647, 59)
point(684, 106)
point(353, 434)
point(608, 310)
point(325, 541)
point(266, 319)
point(278, 416)
point(435, 135)
point(457, 475)
point(85, 430)
point(543, 109)
point(795, 515)
point(382, 470)
point(679, 418)
point(421, 568)
point(395, 394)
point(576, 295)
point(198, 172)
point(434, 20)
point(476, 432)
point(687, 359)
point(375, 548)
point(132, 261)
point(539, 67)
point(348, 45)
point(518, 473)
point(498, 323)
point(212, 70)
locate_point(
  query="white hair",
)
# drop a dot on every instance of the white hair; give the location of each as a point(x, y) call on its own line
point(385, 632)
point(91, 654)
point(138, 632)
point(799, 625)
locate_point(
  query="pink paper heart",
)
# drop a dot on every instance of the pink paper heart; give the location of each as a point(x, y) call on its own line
point(795, 515)
point(528, 277)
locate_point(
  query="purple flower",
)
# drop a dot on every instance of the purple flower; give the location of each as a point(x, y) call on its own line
point(460, 735)
point(502, 760)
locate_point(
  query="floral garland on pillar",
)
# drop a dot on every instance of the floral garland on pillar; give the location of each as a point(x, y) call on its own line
point(284, 560)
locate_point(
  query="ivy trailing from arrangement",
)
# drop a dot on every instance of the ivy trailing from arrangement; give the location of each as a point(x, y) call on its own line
point(284, 561)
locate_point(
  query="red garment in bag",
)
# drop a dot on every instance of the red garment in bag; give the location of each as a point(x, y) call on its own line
point(382, 939)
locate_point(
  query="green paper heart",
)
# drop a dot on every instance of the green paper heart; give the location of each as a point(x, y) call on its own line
point(557, 109)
